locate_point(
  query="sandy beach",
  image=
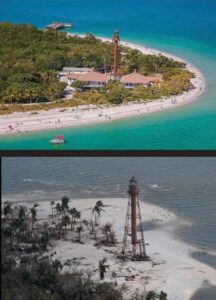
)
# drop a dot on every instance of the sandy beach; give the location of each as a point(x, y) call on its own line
point(171, 268)
point(17, 123)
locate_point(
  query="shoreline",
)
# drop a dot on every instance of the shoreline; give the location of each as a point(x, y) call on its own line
point(172, 269)
point(93, 114)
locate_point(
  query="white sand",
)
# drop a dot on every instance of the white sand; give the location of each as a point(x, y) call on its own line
point(82, 115)
point(177, 273)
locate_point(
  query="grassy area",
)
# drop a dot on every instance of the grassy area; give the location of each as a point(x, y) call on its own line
point(9, 109)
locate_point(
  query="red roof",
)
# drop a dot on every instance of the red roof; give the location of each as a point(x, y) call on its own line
point(73, 76)
point(154, 78)
point(137, 78)
point(93, 76)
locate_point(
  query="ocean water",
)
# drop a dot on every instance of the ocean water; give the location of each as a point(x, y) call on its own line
point(185, 186)
point(186, 28)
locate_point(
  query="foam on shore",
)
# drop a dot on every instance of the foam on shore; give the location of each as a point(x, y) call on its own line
point(90, 114)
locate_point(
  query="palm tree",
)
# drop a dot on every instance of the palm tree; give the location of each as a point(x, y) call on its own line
point(22, 213)
point(79, 230)
point(85, 222)
point(72, 212)
point(52, 202)
point(57, 265)
point(97, 209)
point(151, 295)
point(65, 221)
point(33, 212)
point(64, 205)
point(106, 230)
point(102, 268)
point(162, 296)
point(43, 240)
point(75, 215)
point(16, 226)
point(59, 229)
point(58, 208)
point(23, 230)
point(112, 237)
point(7, 210)
point(7, 232)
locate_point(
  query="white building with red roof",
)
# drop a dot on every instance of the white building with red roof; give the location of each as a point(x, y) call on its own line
point(70, 74)
point(94, 79)
point(133, 79)
point(70, 78)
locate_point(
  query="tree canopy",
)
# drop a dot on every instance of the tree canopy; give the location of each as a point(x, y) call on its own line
point(30, 60)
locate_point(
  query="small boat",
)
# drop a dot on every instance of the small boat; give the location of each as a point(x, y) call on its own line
point(59, 139)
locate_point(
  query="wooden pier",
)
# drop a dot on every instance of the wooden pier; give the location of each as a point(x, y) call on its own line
point(58, 25)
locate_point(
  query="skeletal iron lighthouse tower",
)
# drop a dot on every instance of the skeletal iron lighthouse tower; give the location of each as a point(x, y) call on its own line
point(133, 226)
point(116, 40)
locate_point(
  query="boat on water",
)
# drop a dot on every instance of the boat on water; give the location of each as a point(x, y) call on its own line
point(59, 139)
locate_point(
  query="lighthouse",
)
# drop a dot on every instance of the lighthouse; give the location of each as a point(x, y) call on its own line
point(116, 40)
point(133, 242)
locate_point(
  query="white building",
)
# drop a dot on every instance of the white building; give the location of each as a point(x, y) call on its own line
point(133, 79)
point(73, 70)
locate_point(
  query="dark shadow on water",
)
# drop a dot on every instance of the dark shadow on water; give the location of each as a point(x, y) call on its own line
point(206, 258)
point(150, 225)
point(208, 292)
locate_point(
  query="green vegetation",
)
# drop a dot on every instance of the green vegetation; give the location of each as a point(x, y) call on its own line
point(78, 84)
point(42, 280)
point(154, 296)
point(30, 60)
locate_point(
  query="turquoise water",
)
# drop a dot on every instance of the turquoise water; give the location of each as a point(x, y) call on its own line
point(186, 28)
